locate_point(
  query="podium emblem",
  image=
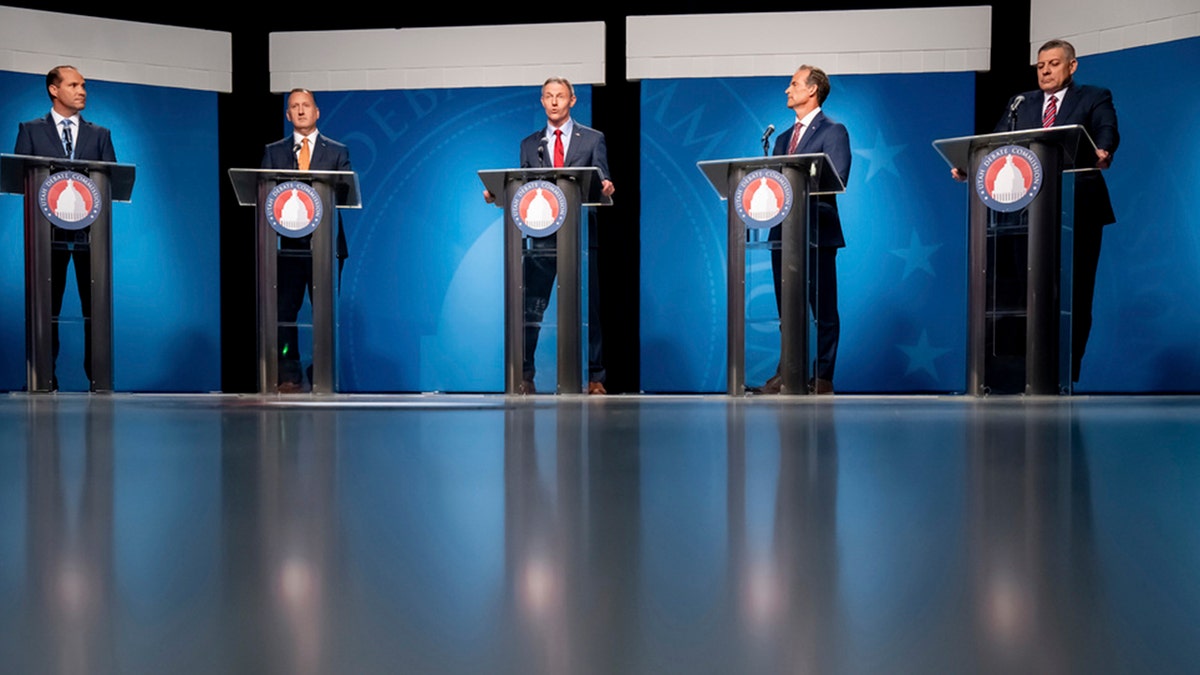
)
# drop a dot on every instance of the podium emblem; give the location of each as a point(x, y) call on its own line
point(294, 209)
point(1008, 178)
point(763, 198)
point(70, 200)
point(539, 208)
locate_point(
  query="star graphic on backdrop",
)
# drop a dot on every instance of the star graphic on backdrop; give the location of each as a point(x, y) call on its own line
point(922, 355)
point(916, 256)
point(882, 157)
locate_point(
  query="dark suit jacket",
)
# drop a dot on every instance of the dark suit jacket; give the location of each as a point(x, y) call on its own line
point(586, 148)
point(328, 155)
point(1093, 108)
point(823, 135)
point(41, 137)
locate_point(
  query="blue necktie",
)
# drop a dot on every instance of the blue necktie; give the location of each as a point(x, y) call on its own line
point(68, 146)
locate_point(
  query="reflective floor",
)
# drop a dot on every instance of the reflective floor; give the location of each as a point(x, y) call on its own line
point(449, 534)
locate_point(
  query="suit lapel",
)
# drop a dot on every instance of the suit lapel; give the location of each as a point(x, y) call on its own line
point(83, 139)
point(55, 140)
point(1069, 104)
point(575, 150)
point(318, 160)
point(809, 134)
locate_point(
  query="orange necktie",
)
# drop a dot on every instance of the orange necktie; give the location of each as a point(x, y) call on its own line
point(304, 155)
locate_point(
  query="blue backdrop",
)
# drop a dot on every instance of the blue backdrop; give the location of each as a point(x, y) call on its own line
point(166, 289)
point(421, 305)
point(1147, 315)
point(901, 277)
point(902, 274)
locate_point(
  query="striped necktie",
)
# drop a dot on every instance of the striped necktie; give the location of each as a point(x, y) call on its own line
point(1051, 112)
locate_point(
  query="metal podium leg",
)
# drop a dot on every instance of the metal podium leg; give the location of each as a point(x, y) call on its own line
point(794, 360)
point(268, 297)
point(1041, 336)
point(323, 296)
point(977, 273)
point(735, 293)
point(39, 347)
point(100, 322)
point(570, 352)
point(514, 298)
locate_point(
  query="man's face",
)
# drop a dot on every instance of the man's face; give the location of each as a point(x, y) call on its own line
point(70, 94)
point(1054, 69)
point(800, 95)
point(302, 112)
point(558, 101)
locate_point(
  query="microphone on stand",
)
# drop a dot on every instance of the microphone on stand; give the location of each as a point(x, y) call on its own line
point(766, 139)
point(1012, 112)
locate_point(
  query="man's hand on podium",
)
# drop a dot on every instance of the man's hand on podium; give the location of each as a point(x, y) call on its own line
point(958, 175)
point(489, 197)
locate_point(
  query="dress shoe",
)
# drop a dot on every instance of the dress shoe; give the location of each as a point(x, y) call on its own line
point(597, 388)
point(526, 387)
point(820, 386)
point(290, 387)
point(773, 385)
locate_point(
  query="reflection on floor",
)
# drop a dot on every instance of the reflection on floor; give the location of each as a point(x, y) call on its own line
point(455, 534)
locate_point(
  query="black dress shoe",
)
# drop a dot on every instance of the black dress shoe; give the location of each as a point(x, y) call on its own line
point(774, 385)
point(526, 387)
point(820, 386)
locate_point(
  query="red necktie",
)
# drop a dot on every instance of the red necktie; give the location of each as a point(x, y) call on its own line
point(1051, 112)
point(558, 148)
point(795, 142)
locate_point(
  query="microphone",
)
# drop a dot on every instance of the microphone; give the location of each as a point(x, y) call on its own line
point(1012, 111)
point(542, 153)
point(296, 155)
point(766, 143)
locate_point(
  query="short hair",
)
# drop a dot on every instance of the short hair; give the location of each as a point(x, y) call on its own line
point(55, 76)
point(1067, 47)
point(302, 90)
point(818, 77)
point(560, 80)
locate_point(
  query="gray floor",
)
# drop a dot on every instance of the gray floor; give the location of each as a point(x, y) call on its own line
point(455, 534)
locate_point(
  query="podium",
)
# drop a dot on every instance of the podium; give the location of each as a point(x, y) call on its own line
point(1047, 270)
point(581, 187)
point(807, 175)
point(321, 193)
point(97, 185)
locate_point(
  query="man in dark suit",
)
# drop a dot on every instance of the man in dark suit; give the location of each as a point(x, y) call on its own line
point(304, 149)
point(563, 142)
point(65, 134)
point(813, 132)
point(1059, 101)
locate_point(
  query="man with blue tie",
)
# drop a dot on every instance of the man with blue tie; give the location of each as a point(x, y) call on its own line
point(813, 132)
point(63, 133)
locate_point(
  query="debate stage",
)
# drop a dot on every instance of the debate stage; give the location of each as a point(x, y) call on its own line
point(629, 534)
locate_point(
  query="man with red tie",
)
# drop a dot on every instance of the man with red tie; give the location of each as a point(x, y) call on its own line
point(1059, 101)
point(813, 132)
point(562, 142)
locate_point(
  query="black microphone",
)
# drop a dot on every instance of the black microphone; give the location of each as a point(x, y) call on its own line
point(542, 153)
point(766, 143)
point(296, 155)
point(1012, 111)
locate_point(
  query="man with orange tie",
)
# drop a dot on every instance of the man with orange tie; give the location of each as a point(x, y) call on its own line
point(304, 149)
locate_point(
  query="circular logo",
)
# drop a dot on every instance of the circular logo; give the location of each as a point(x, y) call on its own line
point(539, 208)
point(1008, 178)
point(70, 200)
point(294, 209)
point(763, 198)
